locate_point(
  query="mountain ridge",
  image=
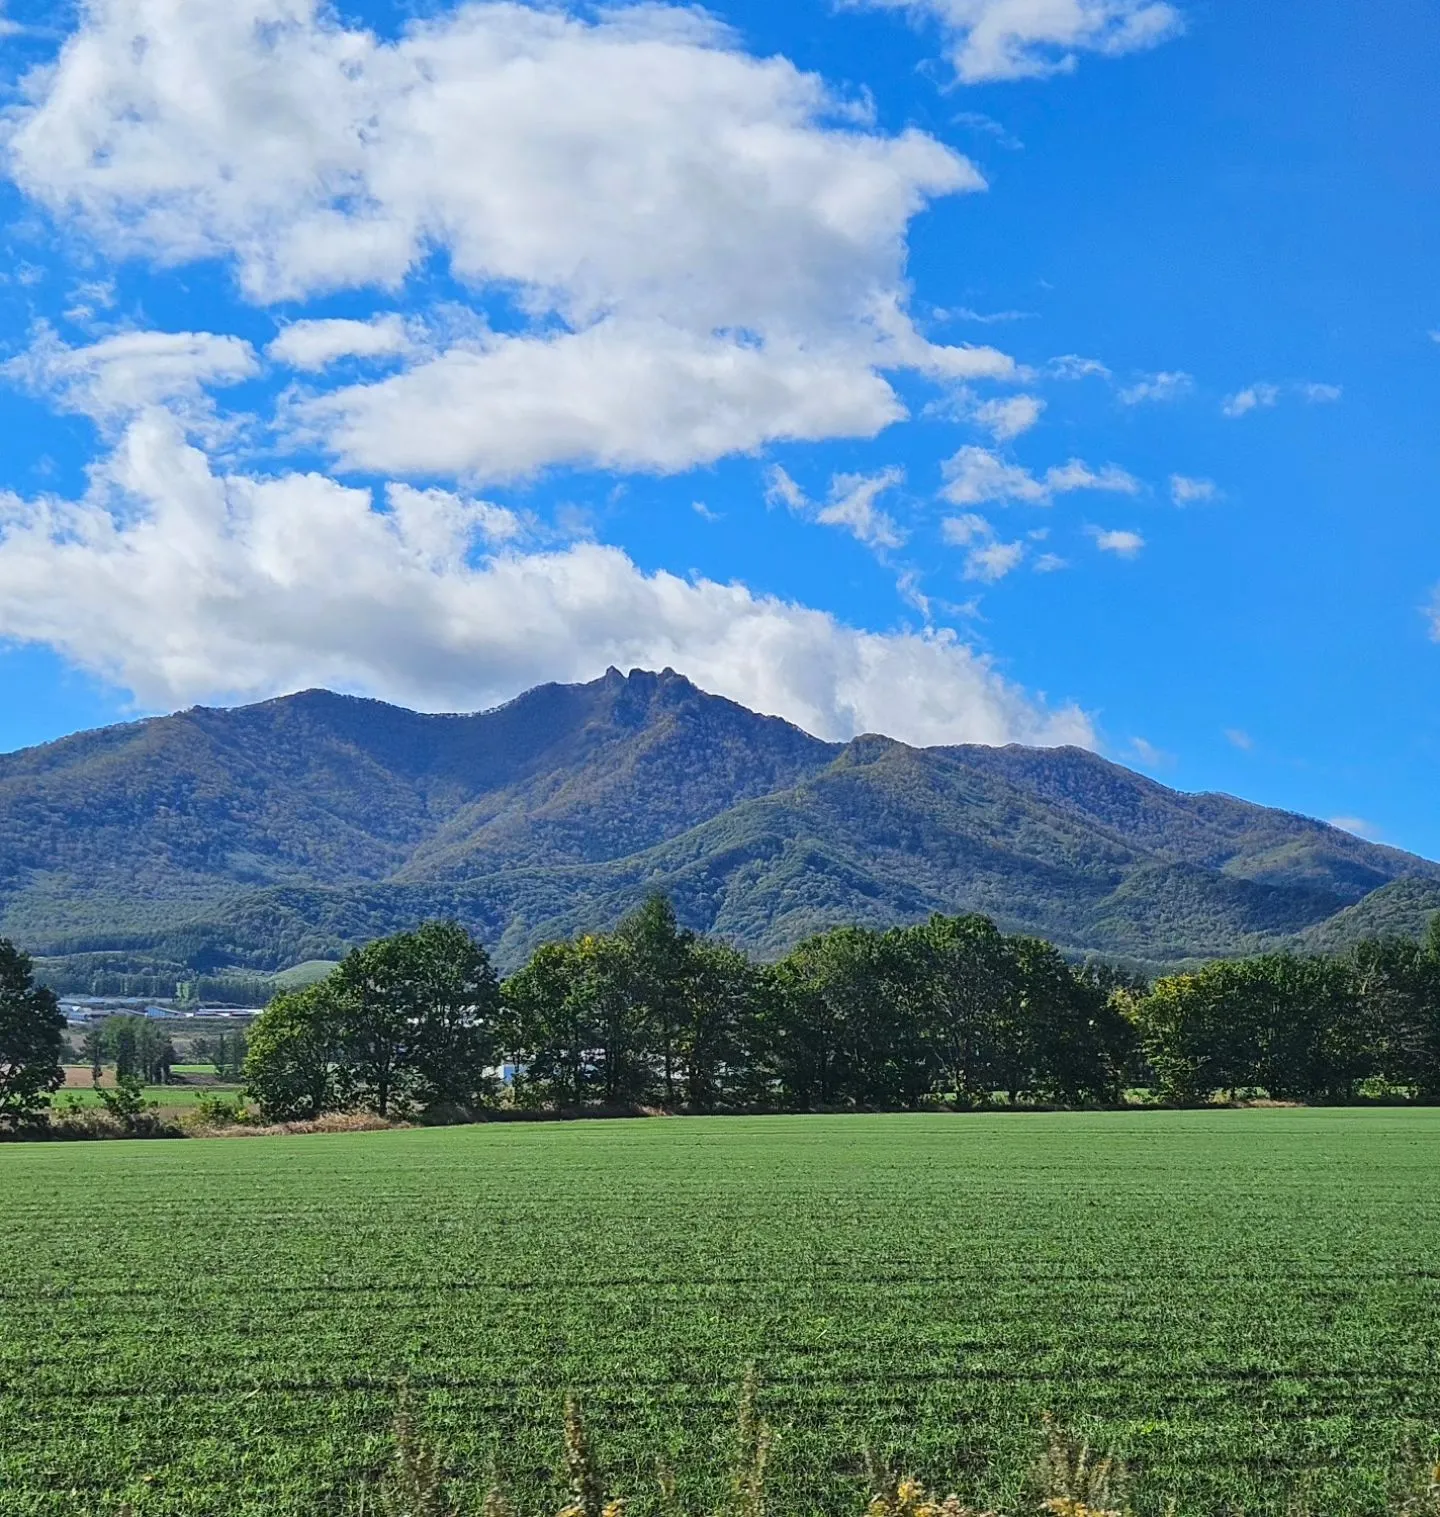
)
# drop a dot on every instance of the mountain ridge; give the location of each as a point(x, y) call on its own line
point(223, 837)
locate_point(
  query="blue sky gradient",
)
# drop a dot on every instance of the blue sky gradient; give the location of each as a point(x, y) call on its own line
point(1234, 225)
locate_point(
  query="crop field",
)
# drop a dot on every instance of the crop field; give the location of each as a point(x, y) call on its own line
point(1240, 1303)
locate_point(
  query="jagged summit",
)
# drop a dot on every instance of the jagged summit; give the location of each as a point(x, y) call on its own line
point(292, 827)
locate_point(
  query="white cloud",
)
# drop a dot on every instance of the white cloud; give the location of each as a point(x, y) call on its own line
point(181, 584)
point(976, 475)
point(1049, 563)
point(959, 530)
point(1008, 417)
point(1262, 395)
point(851, 505)
point(992, 561)
point(1161, 387)
point(124, 373)
point(1237, 737)
point(1125, 544)
point(1020, 39)
point(1076, 475)
point(1186, 490)
point(671, 214)
point(1073, 366)
point(313, 345)
point(1149, 755)
point(988, 559)
point(1259, 396)
point(616, 396)
point(1358, 825)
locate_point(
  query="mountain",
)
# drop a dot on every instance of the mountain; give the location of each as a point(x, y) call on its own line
point(255, 838)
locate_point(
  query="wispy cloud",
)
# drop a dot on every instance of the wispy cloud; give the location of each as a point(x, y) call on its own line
point(1237, 737)
point(988, 559)
point(1006, 418)
point(1149, 755)
point(1358, 825)
point(850, 506)
point(977, 475)
point(1030, 39)
point(1263, 395)
point(1157, 388)
point(1186, 490)
point(1074, 366)
point(1113, 540)
point(1256, 397)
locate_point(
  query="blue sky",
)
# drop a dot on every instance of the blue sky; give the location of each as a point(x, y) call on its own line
point(975, 370)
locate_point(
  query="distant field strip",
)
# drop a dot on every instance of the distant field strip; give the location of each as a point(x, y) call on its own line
point(1236, 1301)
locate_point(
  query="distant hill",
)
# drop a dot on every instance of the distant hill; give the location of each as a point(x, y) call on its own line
point(262, 837)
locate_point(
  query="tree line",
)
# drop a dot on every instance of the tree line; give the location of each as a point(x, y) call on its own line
point(950, 1012)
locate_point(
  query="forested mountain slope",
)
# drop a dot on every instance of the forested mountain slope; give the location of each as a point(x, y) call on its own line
point(289, 830)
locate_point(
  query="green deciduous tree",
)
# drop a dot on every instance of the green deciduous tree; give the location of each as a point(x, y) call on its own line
point(293, 1065)
point(32, 1036)
point(419, 1014)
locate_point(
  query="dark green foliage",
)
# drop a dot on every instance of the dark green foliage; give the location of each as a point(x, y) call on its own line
point(407, 1021)
point(214, 845)
point(136, 1046)
point(32, 1039)
point(851, 1018)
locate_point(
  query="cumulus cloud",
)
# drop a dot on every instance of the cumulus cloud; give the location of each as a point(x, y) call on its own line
point(1022, 39)
point(617, 395)
point(669, 214)
point(1124, 544)
point(1320, 394)
point(314, 345)
point(181, 583)
point(976, 475)
point(131, 370)
point(851, 505)
point(1186, 490)
point(1166, 385)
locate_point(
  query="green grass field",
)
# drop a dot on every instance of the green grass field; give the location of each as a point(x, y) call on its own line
point(1235, 1301)
point(169, 1098)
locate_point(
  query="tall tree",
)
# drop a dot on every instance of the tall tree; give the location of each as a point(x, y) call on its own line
point(658, 952)
point(32, 1037)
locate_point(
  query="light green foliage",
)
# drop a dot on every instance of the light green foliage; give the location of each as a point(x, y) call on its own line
point(1232, 1302)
